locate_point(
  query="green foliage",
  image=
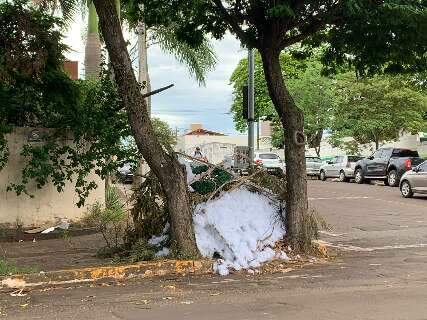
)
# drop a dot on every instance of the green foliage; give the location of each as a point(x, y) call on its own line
point(89, 138)
point(198, 60)
point(211, 182)
point(378, 109)
point(142, 251)
point(370, 35)
point(291, 67)
point(164, 133)
point(8, 268)
point(199, 169)
point(109, 218)
point(313, 93)
point(149, 212)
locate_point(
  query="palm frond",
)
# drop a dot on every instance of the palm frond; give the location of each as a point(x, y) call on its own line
point(199, 61)
point(68, 8)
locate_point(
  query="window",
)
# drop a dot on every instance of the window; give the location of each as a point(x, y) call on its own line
point(377, 154)
point(312, 159)
point(268, 156)
point(340, 159)
point(423, 167)
point(354, 158)
point(386, 153)
point(401, 153)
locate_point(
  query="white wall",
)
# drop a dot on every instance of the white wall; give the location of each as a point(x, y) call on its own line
point(188, 143)
point(47, 205)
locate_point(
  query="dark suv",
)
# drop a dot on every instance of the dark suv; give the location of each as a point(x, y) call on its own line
point(386, 164)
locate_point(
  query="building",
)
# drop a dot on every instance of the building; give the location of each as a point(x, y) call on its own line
point(71, 68)
point(216, 145)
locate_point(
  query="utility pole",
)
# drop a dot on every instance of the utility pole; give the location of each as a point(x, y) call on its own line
point(251, 106)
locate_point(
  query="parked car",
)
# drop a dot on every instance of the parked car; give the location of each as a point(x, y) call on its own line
point(386, 164)
point(313, 165)
point(125, 173)
point(270, 161)
point(414, 181)
point(341, 167)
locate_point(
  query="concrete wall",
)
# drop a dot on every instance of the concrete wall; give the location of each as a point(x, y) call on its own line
point(47, 205)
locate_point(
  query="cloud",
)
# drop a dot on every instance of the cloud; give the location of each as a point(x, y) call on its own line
point(186, 102)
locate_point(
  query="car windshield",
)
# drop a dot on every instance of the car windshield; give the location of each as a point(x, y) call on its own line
point(354, 158)
point(268, 156)
point(405, 153)
point(312, 159)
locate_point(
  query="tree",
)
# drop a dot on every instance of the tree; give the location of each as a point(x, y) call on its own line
point(164, 165)
point(90, 113)
point(312, 92)
point(371, 35)
point(378, 109)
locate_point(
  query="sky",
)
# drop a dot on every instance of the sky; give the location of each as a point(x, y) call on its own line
point(186, 102)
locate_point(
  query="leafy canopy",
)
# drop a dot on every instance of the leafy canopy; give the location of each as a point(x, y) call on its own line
point(88, 129)
point(312, 92)
point(378, 109)
point(371, 35)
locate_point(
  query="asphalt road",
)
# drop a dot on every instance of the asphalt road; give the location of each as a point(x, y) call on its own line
point(380, 273)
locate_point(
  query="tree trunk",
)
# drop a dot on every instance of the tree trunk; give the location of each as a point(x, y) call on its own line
point(292, 120)
point(165, 166)
point(93, 45)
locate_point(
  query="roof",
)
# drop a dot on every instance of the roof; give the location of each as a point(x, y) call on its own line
point(203, 132)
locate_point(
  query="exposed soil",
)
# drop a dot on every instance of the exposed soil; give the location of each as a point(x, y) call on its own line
point(55, 254)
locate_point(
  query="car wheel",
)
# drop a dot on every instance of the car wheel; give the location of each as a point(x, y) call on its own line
point(342, 177)
point(392, 178)
point(406, 190)
point(358, 176)
point(322, 175)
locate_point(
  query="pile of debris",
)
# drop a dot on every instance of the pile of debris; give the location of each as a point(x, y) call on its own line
point(238, 220)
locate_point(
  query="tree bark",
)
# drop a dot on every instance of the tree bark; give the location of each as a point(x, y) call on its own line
point(93, 46)
point(292, 119)
point(166, 167)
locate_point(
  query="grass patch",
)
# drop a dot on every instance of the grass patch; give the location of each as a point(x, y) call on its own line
point(7, 268)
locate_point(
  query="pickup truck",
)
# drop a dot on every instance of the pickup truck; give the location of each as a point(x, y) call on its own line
point(386, 164)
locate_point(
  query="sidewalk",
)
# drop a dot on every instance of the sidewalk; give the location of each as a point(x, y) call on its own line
point(55, 254)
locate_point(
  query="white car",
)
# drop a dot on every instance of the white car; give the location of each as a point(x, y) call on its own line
point(341, 167)
point(270, 161)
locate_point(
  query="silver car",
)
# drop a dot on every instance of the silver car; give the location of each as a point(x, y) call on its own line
point(313, 165)
point(414, 181)
point(341, 167)
point(269, 160)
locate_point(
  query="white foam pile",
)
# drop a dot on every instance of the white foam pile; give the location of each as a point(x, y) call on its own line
point(158, 241)
point(240, 226)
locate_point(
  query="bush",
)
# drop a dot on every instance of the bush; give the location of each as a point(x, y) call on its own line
point(110, 218)
point(142, 251)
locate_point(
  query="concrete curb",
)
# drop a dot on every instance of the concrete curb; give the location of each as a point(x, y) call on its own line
point(142, 269)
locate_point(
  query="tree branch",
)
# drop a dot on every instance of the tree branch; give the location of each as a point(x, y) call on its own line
point(231, 20)
point(151, 93)
point(313, 25)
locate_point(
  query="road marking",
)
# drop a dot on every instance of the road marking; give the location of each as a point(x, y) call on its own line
point(338, 198)
point(349, 247)
point(332, 234)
